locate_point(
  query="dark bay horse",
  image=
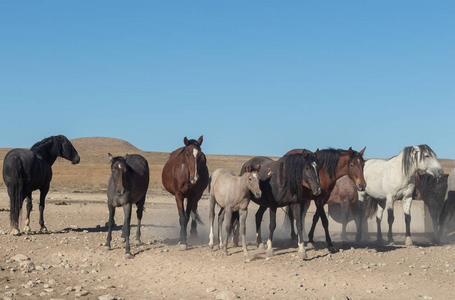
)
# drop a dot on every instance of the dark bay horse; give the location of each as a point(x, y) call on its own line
point(25, 171)
point(127, 185)
point(282, 183)
point(185, 175)
point(334, 164)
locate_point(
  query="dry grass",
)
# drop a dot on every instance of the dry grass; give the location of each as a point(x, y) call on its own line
point(92, 173)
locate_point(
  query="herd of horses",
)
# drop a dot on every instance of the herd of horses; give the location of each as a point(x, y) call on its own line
point(326, 176)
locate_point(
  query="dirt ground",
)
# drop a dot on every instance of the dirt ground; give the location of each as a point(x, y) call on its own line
point(70, 262)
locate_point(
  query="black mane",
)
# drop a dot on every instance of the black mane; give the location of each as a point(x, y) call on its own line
point(330, 158)
point(293, 170)
point(44, 142)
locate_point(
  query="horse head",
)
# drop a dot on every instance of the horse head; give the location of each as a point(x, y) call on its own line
point(193, 156)
point(310, 171)
point(355, 168)
point(119, 169)
point(67, 149)
point(426, 160)
point(253, 180)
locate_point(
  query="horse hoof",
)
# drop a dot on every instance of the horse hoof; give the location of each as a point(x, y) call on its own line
point(128, 256)
point(246, 256)
point(138, 243)
point(311, 245)
point(15, 232)
point(211, 246)
point(43, 230)
point(332, 249)
point(183, 247)
point(225, 253)
point(107, 248)
point(269, 252)
point(122, 240)
point(261, 246)
point(391, 243)
point(303, 255)
point(409, 241)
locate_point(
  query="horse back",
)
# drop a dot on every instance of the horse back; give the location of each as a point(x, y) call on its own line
point(37, 172)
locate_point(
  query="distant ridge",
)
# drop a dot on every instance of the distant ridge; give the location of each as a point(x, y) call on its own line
point(103, 142)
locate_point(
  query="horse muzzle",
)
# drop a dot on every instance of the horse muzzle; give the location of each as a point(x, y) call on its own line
point(258, 195)
point(317, 191)
point(360, 186)
point(193, 179)
point(121, 192)
point(76, 160)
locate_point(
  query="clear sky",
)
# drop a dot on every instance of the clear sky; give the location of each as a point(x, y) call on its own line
point(253, 77)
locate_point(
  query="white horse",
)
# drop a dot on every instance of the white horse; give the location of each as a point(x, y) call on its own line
point(393, 179)
point(232, 193)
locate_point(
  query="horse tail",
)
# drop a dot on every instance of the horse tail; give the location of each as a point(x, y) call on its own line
point(17, 194)
point(370, 206)
point(195, 216)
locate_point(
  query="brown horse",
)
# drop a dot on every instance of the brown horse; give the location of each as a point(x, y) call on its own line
point(333, 165)
point(185, 175)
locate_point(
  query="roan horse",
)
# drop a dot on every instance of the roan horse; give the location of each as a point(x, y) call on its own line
point(334, 164)
point(281, 184)
point(27, 170)
point(127, 185)
point(345, 197)
point(185, 175)
point(232, 193)
point(394, 179)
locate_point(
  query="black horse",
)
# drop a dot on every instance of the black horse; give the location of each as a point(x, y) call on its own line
point(282, 184)
point(127, 185)
point(25, 171)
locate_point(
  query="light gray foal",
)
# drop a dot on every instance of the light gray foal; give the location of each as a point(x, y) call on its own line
point(232, 193)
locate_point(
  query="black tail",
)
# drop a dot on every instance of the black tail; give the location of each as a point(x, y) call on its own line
point(17, 193)
point(370, 206)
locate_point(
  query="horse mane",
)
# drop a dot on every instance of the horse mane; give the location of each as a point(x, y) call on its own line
point(409, 160)
point(44, 142)
point(118, 158)
point(329, 158)
point(191, 142)
point(293, 166)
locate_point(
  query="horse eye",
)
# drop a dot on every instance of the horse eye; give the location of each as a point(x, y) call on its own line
point(352, 166)
point(249, 178)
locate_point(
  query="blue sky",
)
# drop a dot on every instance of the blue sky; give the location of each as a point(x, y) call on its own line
point(253, 77)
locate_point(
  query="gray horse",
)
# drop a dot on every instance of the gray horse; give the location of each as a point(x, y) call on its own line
point(232, 193)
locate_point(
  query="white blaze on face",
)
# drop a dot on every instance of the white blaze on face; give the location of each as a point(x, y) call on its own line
point(255, 175)
point(315, 166)
point(195, 152)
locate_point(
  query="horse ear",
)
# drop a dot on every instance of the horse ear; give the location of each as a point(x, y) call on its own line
point(317, 153)
point(363, 151)
point(258, 168)
point(350, 152)
point(186, 142)
point(304, 153)
point(201, 138)
point(248, 168)
point(110, 157)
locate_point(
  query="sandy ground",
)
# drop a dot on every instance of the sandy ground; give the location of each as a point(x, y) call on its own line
point(70, 262)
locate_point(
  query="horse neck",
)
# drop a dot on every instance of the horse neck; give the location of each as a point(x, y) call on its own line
point(48, 155)
point(399, 160)
point(341, 170)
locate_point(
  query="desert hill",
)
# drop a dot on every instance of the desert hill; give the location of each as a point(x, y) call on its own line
point(92, 173)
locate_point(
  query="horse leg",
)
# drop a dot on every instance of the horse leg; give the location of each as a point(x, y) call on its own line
point(296, 209)
point(390, 219)
point(242, 220)
point(139, 213)
point(110, 225)
point(29, 209)
point(212, 202)
point(228, 215)
point(235, 228)
point(182, 220)
point(42, 198)
point(272, 227)
point(379, 213)
point(258, 217)
point(313, 227)
point(127, 208)
point(192, 207)
point(407, 219)
point(358, 213)
point(304, 209)
point(221, 215)
point(325, 224)
point(291, 220)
